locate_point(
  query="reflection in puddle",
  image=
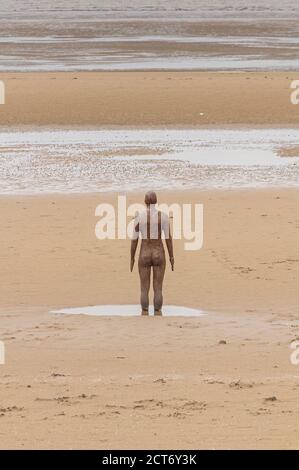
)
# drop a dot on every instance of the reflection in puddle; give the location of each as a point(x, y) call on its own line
point(129, 311)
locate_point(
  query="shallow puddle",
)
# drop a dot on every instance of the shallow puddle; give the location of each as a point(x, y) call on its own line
point(129, 311)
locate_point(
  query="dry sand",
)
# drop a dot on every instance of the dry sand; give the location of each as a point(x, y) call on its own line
point(149, 98)
point(88, 382)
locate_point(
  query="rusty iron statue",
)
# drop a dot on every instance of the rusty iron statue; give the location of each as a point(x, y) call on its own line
point(150, 225)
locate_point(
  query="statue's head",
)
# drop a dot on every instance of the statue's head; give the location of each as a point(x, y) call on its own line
point(150, 198)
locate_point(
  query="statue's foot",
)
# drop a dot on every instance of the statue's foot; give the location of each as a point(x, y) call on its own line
point(144, 312)
point(158, 313)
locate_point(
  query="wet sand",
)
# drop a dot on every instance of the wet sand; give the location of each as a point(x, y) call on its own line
point(219, 381)
point(149, 99)
point(68, 161)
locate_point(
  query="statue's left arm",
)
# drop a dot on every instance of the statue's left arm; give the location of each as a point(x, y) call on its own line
point(134, 244)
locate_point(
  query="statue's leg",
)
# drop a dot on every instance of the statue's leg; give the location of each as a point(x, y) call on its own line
point(145, 280)
point(158, 272)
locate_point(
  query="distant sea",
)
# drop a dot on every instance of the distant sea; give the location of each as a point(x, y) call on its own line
point(51, 35)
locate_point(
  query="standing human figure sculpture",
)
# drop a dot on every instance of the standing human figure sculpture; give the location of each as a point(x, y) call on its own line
point(151, 224)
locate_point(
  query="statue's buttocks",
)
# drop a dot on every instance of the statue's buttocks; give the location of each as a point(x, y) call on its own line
point(150, 225)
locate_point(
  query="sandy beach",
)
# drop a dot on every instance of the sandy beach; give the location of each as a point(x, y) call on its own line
point(55, 260)
point(189, 98)
point(149, 99)
point(91, 382)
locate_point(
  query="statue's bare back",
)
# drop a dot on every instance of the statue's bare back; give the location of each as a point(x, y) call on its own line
point(150, 224)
